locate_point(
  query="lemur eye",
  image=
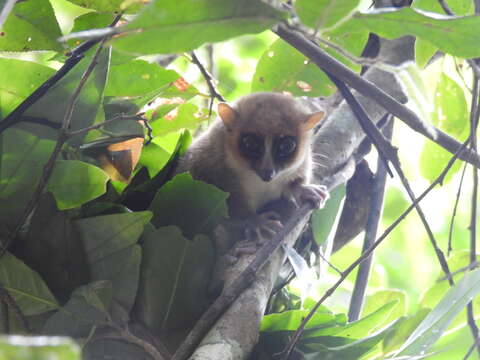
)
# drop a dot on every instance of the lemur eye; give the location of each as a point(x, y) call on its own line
point(251, 145)
point(285, 146)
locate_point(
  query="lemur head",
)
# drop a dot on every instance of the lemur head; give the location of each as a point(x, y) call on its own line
point(267, 133)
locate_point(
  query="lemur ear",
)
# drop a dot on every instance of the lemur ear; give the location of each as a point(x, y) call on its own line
point(312, 120)
point(227, 114)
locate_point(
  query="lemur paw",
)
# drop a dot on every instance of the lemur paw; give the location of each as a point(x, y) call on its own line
point(317, 195)
point(263, 226)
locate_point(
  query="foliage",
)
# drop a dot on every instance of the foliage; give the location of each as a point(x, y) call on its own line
point(113, 239)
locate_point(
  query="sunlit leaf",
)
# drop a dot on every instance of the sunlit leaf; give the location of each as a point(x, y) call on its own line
point(324, 14)
point(283, 68)
point(435, 323)
point(105, 6)
point(450, 115)
point(73, 183)
point(31, 25)
point(456, 36)
point(18, 79)
point(39, 347)
point(194, 22)
point(185, 116)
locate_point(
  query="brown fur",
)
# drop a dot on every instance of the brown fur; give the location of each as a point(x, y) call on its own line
point(215, 158)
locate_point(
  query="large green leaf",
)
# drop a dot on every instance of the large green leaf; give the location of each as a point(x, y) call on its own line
point(25, 286)
point(324, 14)
point(74, 183)
point(31, 25)
point(110, 6)
point(54, 249)
point(175, 277)
point(112, 253)
point(382, 297)
point(193, 23)
point(437, 321)
point(291, 320)
point(451, 115)
point(194, 206)
point(18, 79)
point(88, 306)
point(185, 116)
point(283, 68)
point(53, 104)
point(38, 348)
point(457, 36)
point(357, 329)
point(22, 157)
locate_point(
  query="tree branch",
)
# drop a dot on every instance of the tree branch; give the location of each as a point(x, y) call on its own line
point(366, 88)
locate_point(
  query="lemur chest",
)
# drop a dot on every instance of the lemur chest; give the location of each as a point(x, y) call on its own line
point(257, 193)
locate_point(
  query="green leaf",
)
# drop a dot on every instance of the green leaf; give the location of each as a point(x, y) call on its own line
point(38, 348)
point(405, 326)
point(424, 52)
point(18, 79)
point(22, 159)
point(31, 25)
point(382, 297)
point(194, 206)
point(357, 329)
point(74, 183)
point(186, 116)
point(112, 253)
point(291, 320)
point(194, 22)
point(53, 104)
point(138, 77)
point(109, 6)
point(87, 307)
point(26, 287)
point(451, 115)
point(457, 36)
point(324, 14)
point(154, 158)
point(175, 277)
point(437, 321)
point(283, 68)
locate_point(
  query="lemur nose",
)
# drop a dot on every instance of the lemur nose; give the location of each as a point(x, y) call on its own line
point(266, 174)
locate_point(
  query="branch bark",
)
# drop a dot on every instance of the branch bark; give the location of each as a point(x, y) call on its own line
point(236, 332)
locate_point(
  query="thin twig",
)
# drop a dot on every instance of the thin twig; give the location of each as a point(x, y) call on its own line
point(208, 78)
point(75, 56)
point(243, 281)
point(366, 254)
point(6, 298)
point(48, 168)
point(445, 7)
point(386, 149)
point(455, 207)
point(474, 115)
point(122, 117)
point(368, 89)
point(374, 217)
point(7, 8)
point(472, 347)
